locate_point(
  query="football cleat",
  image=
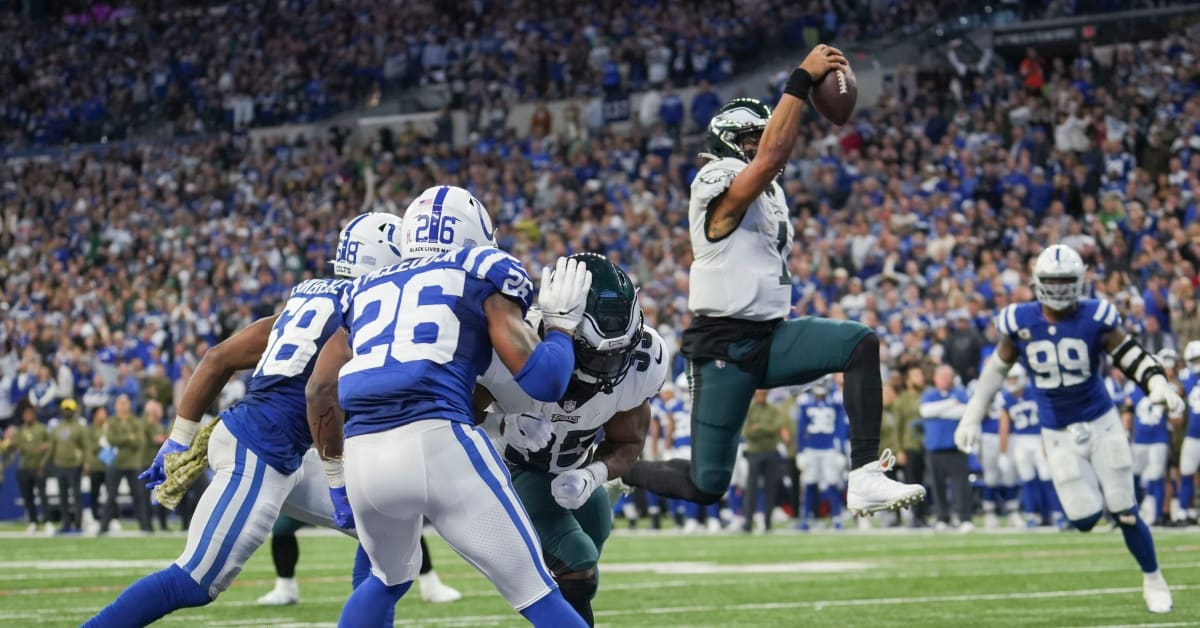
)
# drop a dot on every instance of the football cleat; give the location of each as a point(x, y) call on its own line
point(713, 525)
point(691, 526)
point(966, 527)
point(1156, 593)
point(1015, 520)
point(32, 529)
point(432, 589)
point(285, 593)
point(870, 490)
point(990, 521)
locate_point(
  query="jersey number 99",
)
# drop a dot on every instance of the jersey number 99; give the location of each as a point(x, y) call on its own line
point(1055, 365)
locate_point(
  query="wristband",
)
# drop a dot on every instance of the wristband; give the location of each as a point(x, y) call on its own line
point(183, 430)
point(599, 471)
point(333, 472)
point(799, 84)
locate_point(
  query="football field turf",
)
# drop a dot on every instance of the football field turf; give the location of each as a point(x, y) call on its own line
point(851, 578)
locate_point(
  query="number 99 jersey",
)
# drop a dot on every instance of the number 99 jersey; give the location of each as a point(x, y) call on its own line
point(419, 337)
point(577, 418)
point(1063, 358)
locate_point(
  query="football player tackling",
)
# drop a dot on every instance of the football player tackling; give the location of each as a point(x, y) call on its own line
point(421, 331)
point(558, 473)
point(740, 295)
point(1060, 339)
point(258, 451)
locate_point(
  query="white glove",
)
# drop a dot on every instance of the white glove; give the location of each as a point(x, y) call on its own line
point(573, 488)
point(802, 463)
point(1163, 394)
point(531, 433)
point(966, 435)
point(1004, 464)
point(563, 296)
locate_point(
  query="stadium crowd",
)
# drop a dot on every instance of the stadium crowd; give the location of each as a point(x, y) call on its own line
point(920, 218)
point(108, 71)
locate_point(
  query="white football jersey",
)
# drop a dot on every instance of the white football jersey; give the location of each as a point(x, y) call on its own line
point(744, 275)
point(576, 422)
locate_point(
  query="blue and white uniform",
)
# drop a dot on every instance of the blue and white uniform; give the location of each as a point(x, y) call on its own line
point(419, 339)
point(821, 437)
point(261, 452)
point(1025, 436)
point(1189, 457)
point(1151, 438)
point(996, 474)
point(1089, 456)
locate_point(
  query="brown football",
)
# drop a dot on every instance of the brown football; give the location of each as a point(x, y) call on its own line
point(834, 97)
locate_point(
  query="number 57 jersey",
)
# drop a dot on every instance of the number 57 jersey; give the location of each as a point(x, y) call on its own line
point(1063, 358)
point(578, 417)
point(419, 337)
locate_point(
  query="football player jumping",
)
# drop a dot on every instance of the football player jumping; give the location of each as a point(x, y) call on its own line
point(740, 295)
point(560, 453)
point(1061, 339)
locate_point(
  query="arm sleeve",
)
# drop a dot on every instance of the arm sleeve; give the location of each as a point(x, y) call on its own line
point(548, 370)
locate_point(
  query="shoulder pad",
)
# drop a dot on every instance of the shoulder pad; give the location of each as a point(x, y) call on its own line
point(501, 270)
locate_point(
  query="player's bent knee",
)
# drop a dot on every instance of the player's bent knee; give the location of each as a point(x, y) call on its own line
point(711, 487)
point(866, 350)
point(1126, 518)
point(1087, 523)
point(579, 588)
point(286, 526)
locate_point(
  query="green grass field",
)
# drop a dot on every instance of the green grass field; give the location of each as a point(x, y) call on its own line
point(849, 578)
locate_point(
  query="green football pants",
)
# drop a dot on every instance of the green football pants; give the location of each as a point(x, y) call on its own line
point(571, 539)
point(802, 350)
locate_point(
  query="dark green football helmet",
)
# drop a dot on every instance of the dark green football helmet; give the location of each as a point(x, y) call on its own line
point(732, 123)
point(611, 327)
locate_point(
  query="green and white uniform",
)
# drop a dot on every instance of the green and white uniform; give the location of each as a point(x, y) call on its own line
point(571, 539)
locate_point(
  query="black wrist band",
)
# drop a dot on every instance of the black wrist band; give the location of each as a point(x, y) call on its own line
point(799, 84)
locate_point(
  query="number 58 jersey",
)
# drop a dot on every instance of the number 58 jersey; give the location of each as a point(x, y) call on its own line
point(578, 417)
point(1063, 358)
point(419, 337)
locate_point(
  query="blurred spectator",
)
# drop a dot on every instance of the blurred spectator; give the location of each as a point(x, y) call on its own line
point(31, 441)
point(124, 433)
point(905, 405)
point(44, 395)
point(766, 432)
point(941, 408)
point(95, 467)
point(69, 450)
point(963, 346)
point(155, 436)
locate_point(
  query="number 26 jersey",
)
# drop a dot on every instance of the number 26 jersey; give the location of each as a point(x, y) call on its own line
point(419, 337)
point(1063, 358)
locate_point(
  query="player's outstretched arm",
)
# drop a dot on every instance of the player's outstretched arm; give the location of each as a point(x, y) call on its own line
point(991, 378)
point(326, 421)
point(1143, 368)
point(541, 368)
point(775, 146)
point(240, 351)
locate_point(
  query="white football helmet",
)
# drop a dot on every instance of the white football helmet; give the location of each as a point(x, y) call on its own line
point(367, 243)
point(1191, 355)
point(1169, 358)
point(1017, 380)
point(1058, 277)
point(445, 218)
point(820, 388)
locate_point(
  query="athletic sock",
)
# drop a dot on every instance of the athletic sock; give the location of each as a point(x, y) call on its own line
point(1139, 541)
point(1157, 490)
point(812, 498)
point(426, 562)
point(285, 553)
point(372, 603)
point(1187, 491)
point(833, 495)
point(863, 399)
point(150, 598)
point(1029, 499)
point(552, 611)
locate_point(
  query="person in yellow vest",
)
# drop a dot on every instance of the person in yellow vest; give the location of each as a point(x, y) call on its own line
point(69, 447)
point(32, 441)
point(94, 468)
point(122, 438)
point(156, 435)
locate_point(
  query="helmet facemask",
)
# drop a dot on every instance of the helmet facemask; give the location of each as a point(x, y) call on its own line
point(1058, 292)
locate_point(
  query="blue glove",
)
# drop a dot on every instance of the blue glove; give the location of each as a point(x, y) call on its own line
point(107, 455)
point(343, 517)
point(156, 474)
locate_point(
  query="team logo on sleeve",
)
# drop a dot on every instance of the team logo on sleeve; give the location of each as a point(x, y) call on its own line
point(1024, 334)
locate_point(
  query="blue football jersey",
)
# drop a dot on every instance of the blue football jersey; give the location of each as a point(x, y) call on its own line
point(272, 420)
point(1193, 414)
point(1063, 359)
point(675, 414)
point(1022, 412)
point(1149, 420)
point(820, 424)
point(420, 338)
point(991, 422)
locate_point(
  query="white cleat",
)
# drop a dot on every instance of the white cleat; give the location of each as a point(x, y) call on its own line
point(966, 527)
point(713, 525)
point(50, 529)
point(285, 593)
point(990, 521)
point(1156, 593)
point(1015, 520)
point(691, 526)
point(869, 490)
point(432, 590)
point(31, 529)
